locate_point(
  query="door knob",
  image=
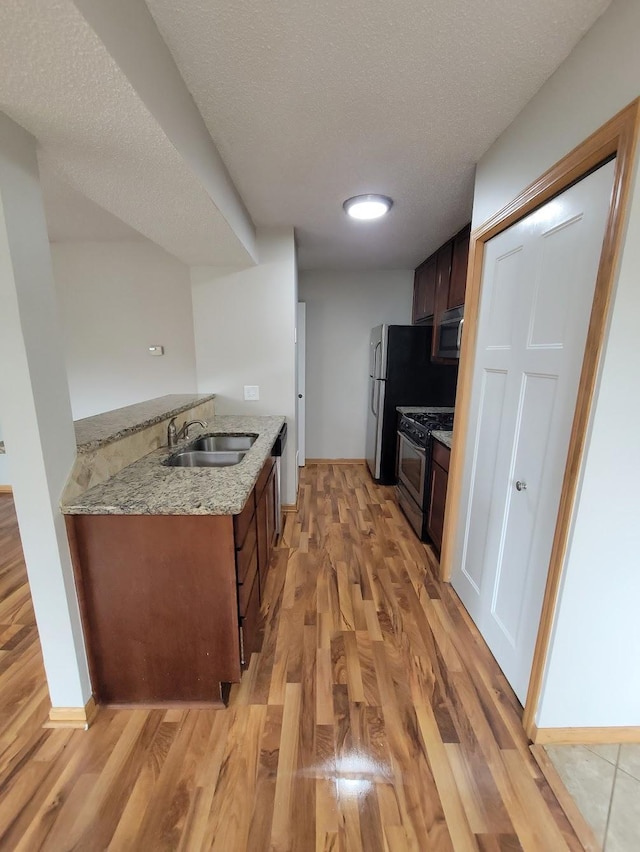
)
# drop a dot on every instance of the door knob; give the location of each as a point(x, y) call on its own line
point(521, 486)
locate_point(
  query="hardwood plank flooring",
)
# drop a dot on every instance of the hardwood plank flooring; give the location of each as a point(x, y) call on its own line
point(374, 718)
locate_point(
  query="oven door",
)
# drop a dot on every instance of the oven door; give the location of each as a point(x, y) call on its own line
point(411, 510)
point(412, 464)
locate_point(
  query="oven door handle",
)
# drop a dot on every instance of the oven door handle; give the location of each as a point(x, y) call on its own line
point(418, 449)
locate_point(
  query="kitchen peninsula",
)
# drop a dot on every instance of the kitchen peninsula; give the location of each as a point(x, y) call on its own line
point(170, 562)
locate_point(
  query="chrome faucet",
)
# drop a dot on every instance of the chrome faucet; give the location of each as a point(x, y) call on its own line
point(174, 435)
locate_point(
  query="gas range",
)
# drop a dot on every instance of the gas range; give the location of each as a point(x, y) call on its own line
point(419, 426)
point(414, 464)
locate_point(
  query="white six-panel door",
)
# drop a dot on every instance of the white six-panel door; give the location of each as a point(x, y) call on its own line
point(537, 291)
point(301, 374)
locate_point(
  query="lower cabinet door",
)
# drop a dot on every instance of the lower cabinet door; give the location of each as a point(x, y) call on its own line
point(159, 603)
point(246, 588)
point(250, 633)
point(435, 524)
point(264, 545)
point(266, 524)
point(272, 509)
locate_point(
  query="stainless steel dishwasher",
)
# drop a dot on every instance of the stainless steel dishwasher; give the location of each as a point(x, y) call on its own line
point(277, 450)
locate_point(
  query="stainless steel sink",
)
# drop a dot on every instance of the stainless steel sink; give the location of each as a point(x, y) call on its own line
point(214, 443)
point(201, 458)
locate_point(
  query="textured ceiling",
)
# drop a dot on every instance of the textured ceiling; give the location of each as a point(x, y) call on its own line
point(307, 102)
point(58, 81)
point(72, 216)
point(311, 101)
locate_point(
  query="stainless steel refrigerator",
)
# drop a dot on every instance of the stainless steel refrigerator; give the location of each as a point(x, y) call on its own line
point(400, 373)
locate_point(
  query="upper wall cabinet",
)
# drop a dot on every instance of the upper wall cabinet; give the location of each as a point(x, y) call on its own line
point(424, 290)
point(440, 282)
point(458, 283)
point(443, 278)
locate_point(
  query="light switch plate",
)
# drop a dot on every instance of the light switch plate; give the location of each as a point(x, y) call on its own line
point(252, 392)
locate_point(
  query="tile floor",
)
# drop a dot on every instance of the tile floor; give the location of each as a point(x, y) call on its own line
point(605, 784)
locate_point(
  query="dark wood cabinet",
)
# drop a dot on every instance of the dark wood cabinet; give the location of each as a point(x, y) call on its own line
point(439, 479)
point(443, 277)
point(250, 636)
point(424, 291)
point(440, 283)
point(266, 522)
point(264, 551)
point(170, 604)
point(459, 262)
point(158, 598)
point(259, 540)
point(272, 510)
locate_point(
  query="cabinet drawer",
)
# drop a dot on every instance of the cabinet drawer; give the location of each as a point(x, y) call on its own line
point(264, 476)
point(245, 554)
point(441, 455)
point(242, 522)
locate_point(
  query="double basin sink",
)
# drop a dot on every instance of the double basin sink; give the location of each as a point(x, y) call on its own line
point(213, 451)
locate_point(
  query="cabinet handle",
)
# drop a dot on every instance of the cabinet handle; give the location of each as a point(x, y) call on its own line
point(459, 341)
point(521, 486)
point(242, 661)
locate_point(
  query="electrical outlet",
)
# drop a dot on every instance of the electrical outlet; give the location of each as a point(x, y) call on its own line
point(252, 392)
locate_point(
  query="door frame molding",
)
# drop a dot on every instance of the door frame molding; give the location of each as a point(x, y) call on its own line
point(618, 137)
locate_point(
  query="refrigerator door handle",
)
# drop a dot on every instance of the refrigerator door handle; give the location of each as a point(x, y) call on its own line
point(373, 390)
point(376, 374)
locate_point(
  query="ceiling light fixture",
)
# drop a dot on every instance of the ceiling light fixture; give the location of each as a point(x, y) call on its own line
point(367, 206)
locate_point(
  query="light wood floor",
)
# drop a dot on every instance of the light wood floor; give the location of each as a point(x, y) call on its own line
point(374, 718)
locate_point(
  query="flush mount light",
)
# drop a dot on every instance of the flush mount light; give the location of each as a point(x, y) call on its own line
point(367, 206)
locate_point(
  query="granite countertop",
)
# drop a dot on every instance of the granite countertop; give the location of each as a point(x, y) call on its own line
point(444, 437)
point(148, 487)
point(101, 429)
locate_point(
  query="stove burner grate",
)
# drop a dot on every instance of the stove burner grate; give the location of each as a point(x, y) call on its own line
point(435, 420)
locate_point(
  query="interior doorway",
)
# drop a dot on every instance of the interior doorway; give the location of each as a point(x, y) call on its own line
point(617, 138)
point(538, 282)
point(301, 343)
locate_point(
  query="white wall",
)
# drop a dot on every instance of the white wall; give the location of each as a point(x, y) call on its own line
point(116, 299)
point(592, 676)
point(4, 465)
point(342, 308)
point(244, 330)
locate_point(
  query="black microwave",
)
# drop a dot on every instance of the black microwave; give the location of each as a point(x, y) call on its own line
point(451, 333)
